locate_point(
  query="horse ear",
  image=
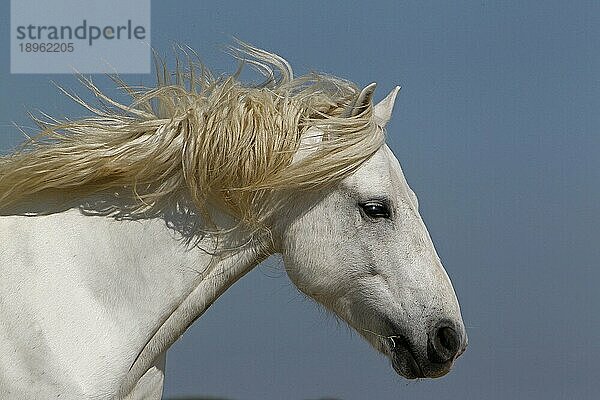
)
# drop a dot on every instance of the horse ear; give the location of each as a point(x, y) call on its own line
point(383, 109)
point(362, 101)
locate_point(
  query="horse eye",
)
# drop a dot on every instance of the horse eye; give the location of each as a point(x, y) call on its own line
point(375, 210)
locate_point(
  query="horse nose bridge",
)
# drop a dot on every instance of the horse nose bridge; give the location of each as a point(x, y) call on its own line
point(423, 283)
point(432, 293)
point(432, 267)
point(432, 276)
point(417, 238)
point(422, 276)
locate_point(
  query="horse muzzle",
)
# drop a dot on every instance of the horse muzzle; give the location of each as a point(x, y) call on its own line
point(445, 343)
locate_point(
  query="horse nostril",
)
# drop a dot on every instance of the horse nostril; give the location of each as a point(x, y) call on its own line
point(443, 344)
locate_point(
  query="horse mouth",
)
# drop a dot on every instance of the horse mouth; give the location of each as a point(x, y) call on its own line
point(403, 360)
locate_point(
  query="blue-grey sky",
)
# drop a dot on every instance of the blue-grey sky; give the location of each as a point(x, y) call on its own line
point(497, 129)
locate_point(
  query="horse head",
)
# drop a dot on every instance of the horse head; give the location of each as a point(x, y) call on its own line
point(361, 249)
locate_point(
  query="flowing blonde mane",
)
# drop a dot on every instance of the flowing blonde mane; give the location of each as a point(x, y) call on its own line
point(216, 141)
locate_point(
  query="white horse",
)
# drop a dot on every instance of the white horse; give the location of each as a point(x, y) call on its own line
point(119, 230)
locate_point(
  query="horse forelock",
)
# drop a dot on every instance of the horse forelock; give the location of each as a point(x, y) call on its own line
point(217, 141)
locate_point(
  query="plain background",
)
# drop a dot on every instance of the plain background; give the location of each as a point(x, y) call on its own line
point(497, 130)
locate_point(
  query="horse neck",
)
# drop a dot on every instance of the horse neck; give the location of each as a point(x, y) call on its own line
point(222, 272)
point(206, 276)
point(194, 279)
point(124, 290)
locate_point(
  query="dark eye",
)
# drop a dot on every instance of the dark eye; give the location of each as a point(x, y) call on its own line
point(375, 209)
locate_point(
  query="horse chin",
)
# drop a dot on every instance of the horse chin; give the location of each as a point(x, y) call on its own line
point(405, 363)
